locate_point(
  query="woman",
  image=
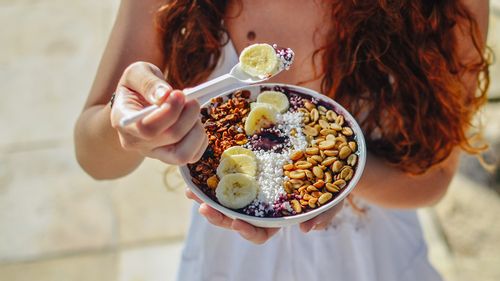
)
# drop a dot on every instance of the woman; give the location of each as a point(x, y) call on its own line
point(408, 70)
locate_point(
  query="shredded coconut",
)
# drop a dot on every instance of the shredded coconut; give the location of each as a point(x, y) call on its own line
point(270, 175)
point(270, 167)
point(289, 121)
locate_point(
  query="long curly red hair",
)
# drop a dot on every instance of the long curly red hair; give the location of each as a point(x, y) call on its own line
point(395, 66)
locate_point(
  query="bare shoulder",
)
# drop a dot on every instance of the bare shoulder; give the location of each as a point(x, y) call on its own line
point(479, 7)
point(138, 13)
point(142, 5)
point(480, 11)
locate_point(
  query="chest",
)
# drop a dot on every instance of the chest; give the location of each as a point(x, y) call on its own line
point(300, 25)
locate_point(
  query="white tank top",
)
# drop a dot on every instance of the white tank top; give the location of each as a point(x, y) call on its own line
point(382, 244)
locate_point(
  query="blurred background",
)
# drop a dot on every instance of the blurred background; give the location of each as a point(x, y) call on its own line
point(56, 223)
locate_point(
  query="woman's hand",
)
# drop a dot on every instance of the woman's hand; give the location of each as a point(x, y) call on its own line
point(259, 235)
point(321, 221)
point(173, 133)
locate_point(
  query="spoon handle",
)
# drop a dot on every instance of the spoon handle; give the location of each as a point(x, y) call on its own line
point(191, 93)
point(208, 87)
point(136, 116)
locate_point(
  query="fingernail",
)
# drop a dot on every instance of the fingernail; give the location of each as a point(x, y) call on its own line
point(165, 106)
point(179, 95)
point(306, 230)
point(174, 96)
point(245, 231)
point(159, 93)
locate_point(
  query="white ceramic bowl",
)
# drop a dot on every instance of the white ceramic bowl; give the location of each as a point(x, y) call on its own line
point(293, 219)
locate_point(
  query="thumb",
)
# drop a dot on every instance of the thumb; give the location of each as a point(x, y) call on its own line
point(147, 80)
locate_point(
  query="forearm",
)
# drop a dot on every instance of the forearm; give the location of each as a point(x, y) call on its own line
point(98, 148)
point(390, 187)
point(132, 39)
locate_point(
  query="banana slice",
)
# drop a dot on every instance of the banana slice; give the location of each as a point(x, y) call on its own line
point(262, 116)
point(236, 150)
point(236, 191)
point(239, 163)
point(255, 104)
point(260, 60)
point(276, 99)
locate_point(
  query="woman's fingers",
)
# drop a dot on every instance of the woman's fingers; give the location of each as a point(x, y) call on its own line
point(165, 116)
point(192, 196)
point(188, 147)
point(251, 233)
point(173, 132)
point(322, 220)
point(152, 128)
point(185, 150)
point(146, 79)
point(201, 151)
point(215, 217)
point(168, 124)
point(187, 119)
point(126, 102)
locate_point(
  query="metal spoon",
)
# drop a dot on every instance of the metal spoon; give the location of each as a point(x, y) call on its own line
point(234, 76)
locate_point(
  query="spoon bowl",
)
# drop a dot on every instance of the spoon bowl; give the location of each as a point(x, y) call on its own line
point(246, 78)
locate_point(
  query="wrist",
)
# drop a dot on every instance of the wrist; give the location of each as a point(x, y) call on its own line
point(97, 146)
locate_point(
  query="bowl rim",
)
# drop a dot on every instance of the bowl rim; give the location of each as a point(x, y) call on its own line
point(184, 170)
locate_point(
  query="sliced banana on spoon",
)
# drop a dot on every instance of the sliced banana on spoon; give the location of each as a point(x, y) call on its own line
point(264, 60)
